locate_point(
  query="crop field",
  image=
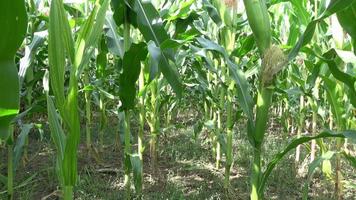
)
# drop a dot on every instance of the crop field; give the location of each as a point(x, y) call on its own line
point(178, 99)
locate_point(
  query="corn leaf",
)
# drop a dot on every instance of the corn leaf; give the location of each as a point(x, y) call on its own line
point(350, 158)
point(131, 71)
point(349, 80)
point(311, 169)
point(57, 133)
point(136, 165)
point(30, 52)
point(150, 25)
point(20, 142)
point(335, 97)
point(333, 7)
point(114, 41)
point(3, 179)
point(346, 18)
point(243, 96)
point(59, 39)
point(13, 23)
point(89, 35)
point(298, 141)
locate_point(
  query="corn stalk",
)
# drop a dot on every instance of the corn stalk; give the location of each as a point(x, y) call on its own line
point(63, 51)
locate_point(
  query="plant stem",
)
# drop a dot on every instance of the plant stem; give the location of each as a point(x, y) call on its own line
point(68, 193)
point(142, 116)
point(313, 142)
point(256, 174)
point(338, 176)
point(102, 119)
point(220, 127)
point(155, 123)
point(10, 166)
point(87, 110)
point(229, 125)
point(127, 134)
point(300, 126)
point(142, 121)
point(264, 99)
point(127, 149)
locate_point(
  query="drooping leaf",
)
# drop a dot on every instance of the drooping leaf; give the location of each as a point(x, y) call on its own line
point(131, 71)
point(243, 96)
point(160, 62)
point(296, 142)
point(333, 7)
point(13, 23)
point(115, 42)
point(30, 52)
point(151, 26)
point(20, 142)
point(212, 11)
point(312, 167)
point(350, 158)
point(336, 6)
point(349, 80)
point(345, 18)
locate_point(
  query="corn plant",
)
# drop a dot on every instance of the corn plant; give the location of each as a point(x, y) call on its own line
point(264, 64)
point(144, 16)
point(65, 128)
point(273, 60)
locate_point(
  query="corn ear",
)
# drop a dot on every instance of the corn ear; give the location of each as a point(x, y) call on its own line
point(258, 19)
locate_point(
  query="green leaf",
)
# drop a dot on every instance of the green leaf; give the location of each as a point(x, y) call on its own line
point(312, 167)
point(30, 52)
point(3, 179)
point(118, 6)
point(247, 45)
point(89, 35)
point(136, 165)
point(13, 23)
point(149, 22)
point(114, 41)
point(212, 11)
point(336, 6)
point(349, 80)
point(20, 142)
point(333, 7)
point(243, 88)
point(131, 71)
point(304, 39)
point(346, 18)
point(57, 133)
point(296, 142)
point(350, 158)
point(182, 12)
point(60, 42)
point(159, 61)
point(335, 98)
point(151, 26)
